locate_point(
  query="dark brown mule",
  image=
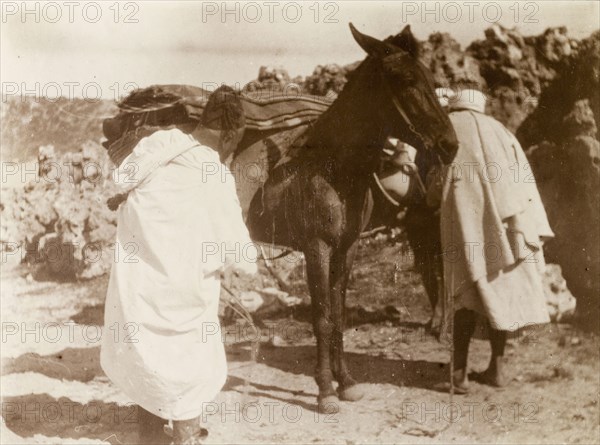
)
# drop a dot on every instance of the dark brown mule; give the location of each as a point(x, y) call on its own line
point(318, 202)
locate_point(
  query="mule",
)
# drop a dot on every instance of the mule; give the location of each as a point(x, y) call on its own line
point(319, 202)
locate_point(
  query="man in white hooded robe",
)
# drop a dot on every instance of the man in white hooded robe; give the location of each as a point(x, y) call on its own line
point(178, 230)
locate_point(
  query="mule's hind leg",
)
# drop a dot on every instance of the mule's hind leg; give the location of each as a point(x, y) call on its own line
point(318, 256)
point(340, 267)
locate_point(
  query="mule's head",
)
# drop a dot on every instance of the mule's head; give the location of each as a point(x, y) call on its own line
point(409, 107)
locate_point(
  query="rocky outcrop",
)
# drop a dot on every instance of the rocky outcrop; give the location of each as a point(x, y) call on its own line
point(568, 178)
point(516, 68)
point(271, 78)
point(559, 299)
point(566, 163)
point(571, 102)
point(328, 80)
point(448, 62)
point(59, 222)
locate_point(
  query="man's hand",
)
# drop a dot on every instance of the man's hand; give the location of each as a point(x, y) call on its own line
point(114, 202)
point(409, 168)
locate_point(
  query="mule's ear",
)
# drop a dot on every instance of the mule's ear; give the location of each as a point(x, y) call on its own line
point(371, 45)
point(406, 41)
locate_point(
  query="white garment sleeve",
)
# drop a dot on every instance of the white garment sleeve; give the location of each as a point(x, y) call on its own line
point(150, 153)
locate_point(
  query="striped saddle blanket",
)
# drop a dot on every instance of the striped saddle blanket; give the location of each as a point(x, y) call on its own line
point(159, 107)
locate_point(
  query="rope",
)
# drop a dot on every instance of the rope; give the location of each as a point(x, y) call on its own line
point(131, 109)
point(372, 232)
point(407, 120)
point(451, 397)
point(243, 312)
point(280, 280)
point(285, 253)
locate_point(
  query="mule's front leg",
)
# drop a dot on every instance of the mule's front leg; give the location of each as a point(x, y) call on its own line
point(318, 257)
point(340, 267)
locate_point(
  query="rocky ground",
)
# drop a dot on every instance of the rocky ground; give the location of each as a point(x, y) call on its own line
point(55, 392)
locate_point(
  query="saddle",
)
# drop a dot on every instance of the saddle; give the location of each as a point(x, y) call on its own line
point(160, 107)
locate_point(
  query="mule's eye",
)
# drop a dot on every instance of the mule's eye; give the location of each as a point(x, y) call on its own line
point(407, 78)
point(404, 78)
point(401, 74)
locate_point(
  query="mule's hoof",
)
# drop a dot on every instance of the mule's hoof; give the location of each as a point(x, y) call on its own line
point(328, 404)
point(352, 393)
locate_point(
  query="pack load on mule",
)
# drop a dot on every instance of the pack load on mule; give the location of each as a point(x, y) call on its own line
point(158, 107)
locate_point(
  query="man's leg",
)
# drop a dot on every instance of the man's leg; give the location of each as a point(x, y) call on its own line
point(496, 368)
point(464, 326)
point(151, 428)
point(494, 375)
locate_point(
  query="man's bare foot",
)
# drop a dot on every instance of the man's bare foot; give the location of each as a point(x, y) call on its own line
point(494, 375)
point(460, 377)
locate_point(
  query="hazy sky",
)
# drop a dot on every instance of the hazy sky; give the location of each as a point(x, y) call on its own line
point(97, 48)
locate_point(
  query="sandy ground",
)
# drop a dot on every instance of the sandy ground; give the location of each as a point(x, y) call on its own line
point(55, 392)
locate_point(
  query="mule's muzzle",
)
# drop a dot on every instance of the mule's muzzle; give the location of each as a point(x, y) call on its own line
point(447, 148)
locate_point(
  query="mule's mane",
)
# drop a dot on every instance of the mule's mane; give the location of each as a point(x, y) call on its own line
point(350, 123)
